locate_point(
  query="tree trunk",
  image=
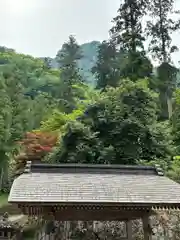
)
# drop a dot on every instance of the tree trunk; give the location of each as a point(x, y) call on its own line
point(169, 106)
point(1, 179)
point(4, 170)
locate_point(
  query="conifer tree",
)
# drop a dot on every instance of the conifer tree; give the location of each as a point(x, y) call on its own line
point(67, 59)
point(107, 70)
point(160, 31)
point(127, 33)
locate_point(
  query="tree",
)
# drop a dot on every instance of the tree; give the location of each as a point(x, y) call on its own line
point(166, 84)
point(175, 121)
point(5, 131)
point(120, 128)
point(127, 29)
point(35, 146)
point(127, 34)
point(20, 112)
point(160, 31)
point(107, 70)
point(161, 28)
point(136, 65)
point(67, 58)
point(83, 97)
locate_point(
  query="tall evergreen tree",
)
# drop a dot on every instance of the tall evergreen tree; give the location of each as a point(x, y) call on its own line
point(161, 48)
point(106, 69)
point(128, 35)
point(127, 29)
point(67, 58)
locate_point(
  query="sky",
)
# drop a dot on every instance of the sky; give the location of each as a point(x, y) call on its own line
point(40, 27)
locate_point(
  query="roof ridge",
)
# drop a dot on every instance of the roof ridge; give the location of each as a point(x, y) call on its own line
point(92, 168)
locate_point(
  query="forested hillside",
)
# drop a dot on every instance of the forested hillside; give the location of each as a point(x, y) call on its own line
point(131, 115)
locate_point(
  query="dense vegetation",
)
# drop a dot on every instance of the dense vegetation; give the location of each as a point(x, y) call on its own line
point(131, 116)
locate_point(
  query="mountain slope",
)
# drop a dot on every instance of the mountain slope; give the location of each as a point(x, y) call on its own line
point(89, 52)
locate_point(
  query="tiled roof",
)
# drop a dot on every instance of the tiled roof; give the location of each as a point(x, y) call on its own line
point(46, 183)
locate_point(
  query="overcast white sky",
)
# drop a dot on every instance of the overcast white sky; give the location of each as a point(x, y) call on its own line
point(40, 27)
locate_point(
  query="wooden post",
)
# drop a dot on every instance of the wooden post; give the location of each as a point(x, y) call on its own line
point(129, 230)
point(147, 228)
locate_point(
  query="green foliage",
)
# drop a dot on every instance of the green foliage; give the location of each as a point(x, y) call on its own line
point(175, 120)
point(20, 112)
point(136, 65)
point(119, 128)
point(83, 96)
point(59, 120)
point(107, 68)
point(174, 171)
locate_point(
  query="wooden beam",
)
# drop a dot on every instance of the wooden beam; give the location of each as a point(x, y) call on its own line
point(147, 228)
point(129, 230)
point(71, 213)
point(98, 215)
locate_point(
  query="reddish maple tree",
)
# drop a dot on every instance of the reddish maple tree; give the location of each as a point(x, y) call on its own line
point(35, 146)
